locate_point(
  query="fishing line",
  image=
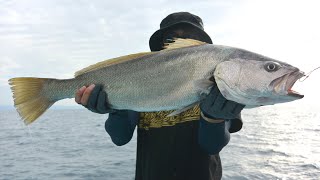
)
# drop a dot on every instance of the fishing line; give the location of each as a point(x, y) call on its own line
point(33, 149)
point(307, 75)
point(32, 145)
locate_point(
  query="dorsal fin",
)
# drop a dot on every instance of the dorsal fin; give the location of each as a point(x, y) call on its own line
point(176, 43)
point(179, 43)
point(110, 62)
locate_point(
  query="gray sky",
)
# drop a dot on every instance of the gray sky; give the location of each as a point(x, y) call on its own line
point(55, 38)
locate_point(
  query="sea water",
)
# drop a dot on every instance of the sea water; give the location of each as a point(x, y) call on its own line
point(276, 142)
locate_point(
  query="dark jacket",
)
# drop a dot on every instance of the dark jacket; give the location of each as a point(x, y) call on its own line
point(184, 150)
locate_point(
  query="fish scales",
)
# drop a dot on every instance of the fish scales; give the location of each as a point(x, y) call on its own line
point(172, 79)
point(156, 82)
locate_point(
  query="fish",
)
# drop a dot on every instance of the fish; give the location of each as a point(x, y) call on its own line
point(176, 78)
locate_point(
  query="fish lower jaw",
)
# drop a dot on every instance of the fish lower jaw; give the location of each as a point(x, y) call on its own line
point(288, 92)
point(294, 94)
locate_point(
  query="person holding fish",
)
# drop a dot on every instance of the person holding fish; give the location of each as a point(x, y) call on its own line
point(185, 97)
point(185, 146)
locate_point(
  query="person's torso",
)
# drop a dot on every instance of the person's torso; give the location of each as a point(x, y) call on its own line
point(168, 148)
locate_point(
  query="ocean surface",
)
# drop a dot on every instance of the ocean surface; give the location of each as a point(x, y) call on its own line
point(276, 142)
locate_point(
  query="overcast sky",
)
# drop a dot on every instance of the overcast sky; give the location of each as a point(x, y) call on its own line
point(55, 38)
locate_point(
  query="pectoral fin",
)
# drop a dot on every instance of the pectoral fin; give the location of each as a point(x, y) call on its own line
point(203, 85)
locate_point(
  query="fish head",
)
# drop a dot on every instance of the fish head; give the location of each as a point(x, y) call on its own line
point(256, 80)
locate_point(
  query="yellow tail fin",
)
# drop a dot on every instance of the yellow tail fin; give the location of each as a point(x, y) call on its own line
point(29, 99)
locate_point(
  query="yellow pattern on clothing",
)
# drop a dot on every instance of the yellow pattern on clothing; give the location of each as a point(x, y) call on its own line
point(160, 119)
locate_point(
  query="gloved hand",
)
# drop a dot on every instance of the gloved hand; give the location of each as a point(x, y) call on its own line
point(216, 106)
point(98, 101)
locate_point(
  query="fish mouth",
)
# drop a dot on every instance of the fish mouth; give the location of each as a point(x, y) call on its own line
point(284, 84)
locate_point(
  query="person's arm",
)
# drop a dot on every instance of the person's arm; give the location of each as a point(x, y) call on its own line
point(120, 126)
point(219, 118)
point(213, 136)
point(121, 123)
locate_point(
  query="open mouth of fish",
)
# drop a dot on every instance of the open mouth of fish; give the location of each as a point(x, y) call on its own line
point(285, 83)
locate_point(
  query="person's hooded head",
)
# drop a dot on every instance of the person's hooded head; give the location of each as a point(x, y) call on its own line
point(179, 25)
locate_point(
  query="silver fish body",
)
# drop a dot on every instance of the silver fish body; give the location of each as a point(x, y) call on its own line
point(156, 82)
point(174, 79)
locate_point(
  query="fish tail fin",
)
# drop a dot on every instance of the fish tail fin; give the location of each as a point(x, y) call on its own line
point(29, 97)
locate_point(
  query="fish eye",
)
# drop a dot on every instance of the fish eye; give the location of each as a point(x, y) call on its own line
point(271, 66)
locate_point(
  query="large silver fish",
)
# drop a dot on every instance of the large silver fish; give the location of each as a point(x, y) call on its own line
point(172, 79)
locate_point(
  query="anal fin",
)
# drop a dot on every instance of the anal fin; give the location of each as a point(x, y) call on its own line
point(204, 85)
point(178, 111)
